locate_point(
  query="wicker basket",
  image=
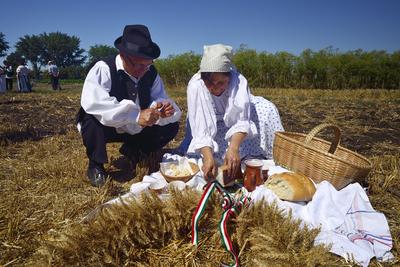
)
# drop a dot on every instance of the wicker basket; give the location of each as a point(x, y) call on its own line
point(319, 159)
point(186, 178)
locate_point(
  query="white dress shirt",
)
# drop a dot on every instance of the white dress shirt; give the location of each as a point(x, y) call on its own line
point(53, 70)
point(124, 114)
point(203, 109)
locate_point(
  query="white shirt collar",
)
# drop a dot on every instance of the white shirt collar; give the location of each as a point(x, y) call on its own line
point(120, 66)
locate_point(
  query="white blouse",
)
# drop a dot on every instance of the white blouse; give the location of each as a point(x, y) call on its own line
point(124, 114)
point(22, 70)
point(204, 108)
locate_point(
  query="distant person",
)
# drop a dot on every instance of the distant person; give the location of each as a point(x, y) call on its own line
point(124, 100)
point(226, 123)
point(3, 87)
point(9, 76)
point(54, 75)
point(24, 84)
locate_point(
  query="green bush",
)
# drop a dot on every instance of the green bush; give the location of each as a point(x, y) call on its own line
point(324, 69)
point(177, 70)
point(73, 72)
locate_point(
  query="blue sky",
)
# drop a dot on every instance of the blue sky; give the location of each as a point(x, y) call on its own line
point(182, 26)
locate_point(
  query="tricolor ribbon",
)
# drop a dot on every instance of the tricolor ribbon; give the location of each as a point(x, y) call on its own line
point(231, 206)
point(200, 210)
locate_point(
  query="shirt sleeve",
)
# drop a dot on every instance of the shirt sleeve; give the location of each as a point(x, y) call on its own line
point(201, 118)
point(237, 116)
point(96, 100)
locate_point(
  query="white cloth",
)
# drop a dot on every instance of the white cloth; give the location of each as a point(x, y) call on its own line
point(196, 183)
point(216, 58)
point(202, 115)
point(122, 115)
point(347, 220)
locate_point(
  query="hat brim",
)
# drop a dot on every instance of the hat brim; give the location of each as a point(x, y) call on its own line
point(152, 52)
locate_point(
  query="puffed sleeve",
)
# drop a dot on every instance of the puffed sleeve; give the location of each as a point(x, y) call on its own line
point(237, 115)
point(201, 116)
point(97, 101)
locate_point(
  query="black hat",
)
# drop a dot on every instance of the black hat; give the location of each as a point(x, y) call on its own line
point(136, 41)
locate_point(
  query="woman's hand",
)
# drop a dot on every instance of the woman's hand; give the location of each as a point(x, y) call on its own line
point(232, 161)
point(232, 157)
point(209, 167)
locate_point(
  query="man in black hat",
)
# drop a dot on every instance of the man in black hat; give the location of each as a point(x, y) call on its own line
point(124, 100)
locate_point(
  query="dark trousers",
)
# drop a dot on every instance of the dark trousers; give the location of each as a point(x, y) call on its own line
point(9, 84)
point(54, 82)
point(95, 137)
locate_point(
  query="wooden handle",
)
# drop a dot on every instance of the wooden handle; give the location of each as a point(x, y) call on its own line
point(317, 129)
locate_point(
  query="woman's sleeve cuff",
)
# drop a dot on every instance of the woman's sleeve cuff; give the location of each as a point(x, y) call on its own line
point(247, 127)
point(198, 143)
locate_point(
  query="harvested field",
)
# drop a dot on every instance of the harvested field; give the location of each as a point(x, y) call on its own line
point(45, 192)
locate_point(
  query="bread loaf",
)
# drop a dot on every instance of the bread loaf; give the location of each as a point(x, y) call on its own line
point(223, 178)
point(291, 186)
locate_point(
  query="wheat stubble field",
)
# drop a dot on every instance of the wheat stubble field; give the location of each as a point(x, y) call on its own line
point(45, 192)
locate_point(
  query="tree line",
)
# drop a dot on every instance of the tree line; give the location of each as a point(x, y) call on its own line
point(324, 69)
point(62, 49)
point(327, 68)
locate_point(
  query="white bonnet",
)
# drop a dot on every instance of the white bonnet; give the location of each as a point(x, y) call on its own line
point(216, 58)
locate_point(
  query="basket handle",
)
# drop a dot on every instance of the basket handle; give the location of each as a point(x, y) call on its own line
point(319, 128)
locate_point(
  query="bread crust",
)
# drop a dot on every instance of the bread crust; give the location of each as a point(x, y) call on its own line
point(291, 186)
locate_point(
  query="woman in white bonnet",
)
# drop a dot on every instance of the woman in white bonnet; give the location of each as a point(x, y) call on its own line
point(24, 84)
point(225, 122)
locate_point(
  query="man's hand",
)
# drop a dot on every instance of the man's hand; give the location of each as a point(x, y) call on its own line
point(166, 109)
point(148, 117)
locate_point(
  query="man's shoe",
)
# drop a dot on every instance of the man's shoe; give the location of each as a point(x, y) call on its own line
point(97, 176)
point(132, 155)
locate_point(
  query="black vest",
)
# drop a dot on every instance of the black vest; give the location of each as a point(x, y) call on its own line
point(122, 87)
